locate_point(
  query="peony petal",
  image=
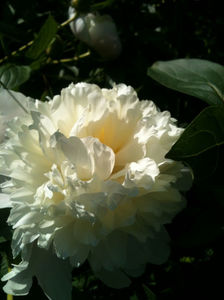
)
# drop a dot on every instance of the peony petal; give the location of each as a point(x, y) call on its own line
point(142, 173)
point(10, 109)
point(8, 103)
point(53, 275)
point(132, 151)
point(103, 157)
point(157, 248)
point(19, 280)
point(115, 279)
point(75, 150)
point(29, 218)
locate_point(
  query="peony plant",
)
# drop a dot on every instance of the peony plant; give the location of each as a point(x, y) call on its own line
point(88, 180)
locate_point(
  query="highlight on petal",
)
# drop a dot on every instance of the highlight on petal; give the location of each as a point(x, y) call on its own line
point(76, 152)
point(5, 201)
point(143, 173)
point(87, 180)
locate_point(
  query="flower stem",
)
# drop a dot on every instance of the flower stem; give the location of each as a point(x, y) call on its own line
point(9, 297)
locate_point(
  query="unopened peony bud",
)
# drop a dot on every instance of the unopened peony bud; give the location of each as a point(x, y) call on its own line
point(99, 32)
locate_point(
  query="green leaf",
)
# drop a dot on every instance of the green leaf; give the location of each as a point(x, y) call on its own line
point(196, 77)
point(44, 37)
point(13, 76)
point(149, 294)
point(200, 144)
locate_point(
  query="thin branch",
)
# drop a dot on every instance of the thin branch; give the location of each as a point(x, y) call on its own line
point(31, 42)
point(65, 60)
point(67, 21)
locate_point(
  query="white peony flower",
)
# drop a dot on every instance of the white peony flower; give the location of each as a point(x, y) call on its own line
point(89, 181)
point(98, 32)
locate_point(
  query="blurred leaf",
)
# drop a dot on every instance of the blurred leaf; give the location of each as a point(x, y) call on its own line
point(2, 239)
point(79, 282)
point(4, 264)
point(44, 37)
point(38, 63)
point(13, 76)
point(102, 5)
point(196, 77)
point(149, 294)
point(200, 144)
point(134, 297)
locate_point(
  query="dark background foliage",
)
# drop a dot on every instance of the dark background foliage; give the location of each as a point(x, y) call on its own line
point(149, 31)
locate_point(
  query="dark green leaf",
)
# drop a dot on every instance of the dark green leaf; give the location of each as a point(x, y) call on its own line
point(44, 37)
point(13, 76)
point(200, 144)
point(196, 77)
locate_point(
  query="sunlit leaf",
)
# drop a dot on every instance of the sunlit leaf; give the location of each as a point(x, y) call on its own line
point(196, 77)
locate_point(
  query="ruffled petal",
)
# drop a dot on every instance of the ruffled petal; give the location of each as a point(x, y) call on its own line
point(103, 157)
point(75, 150)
